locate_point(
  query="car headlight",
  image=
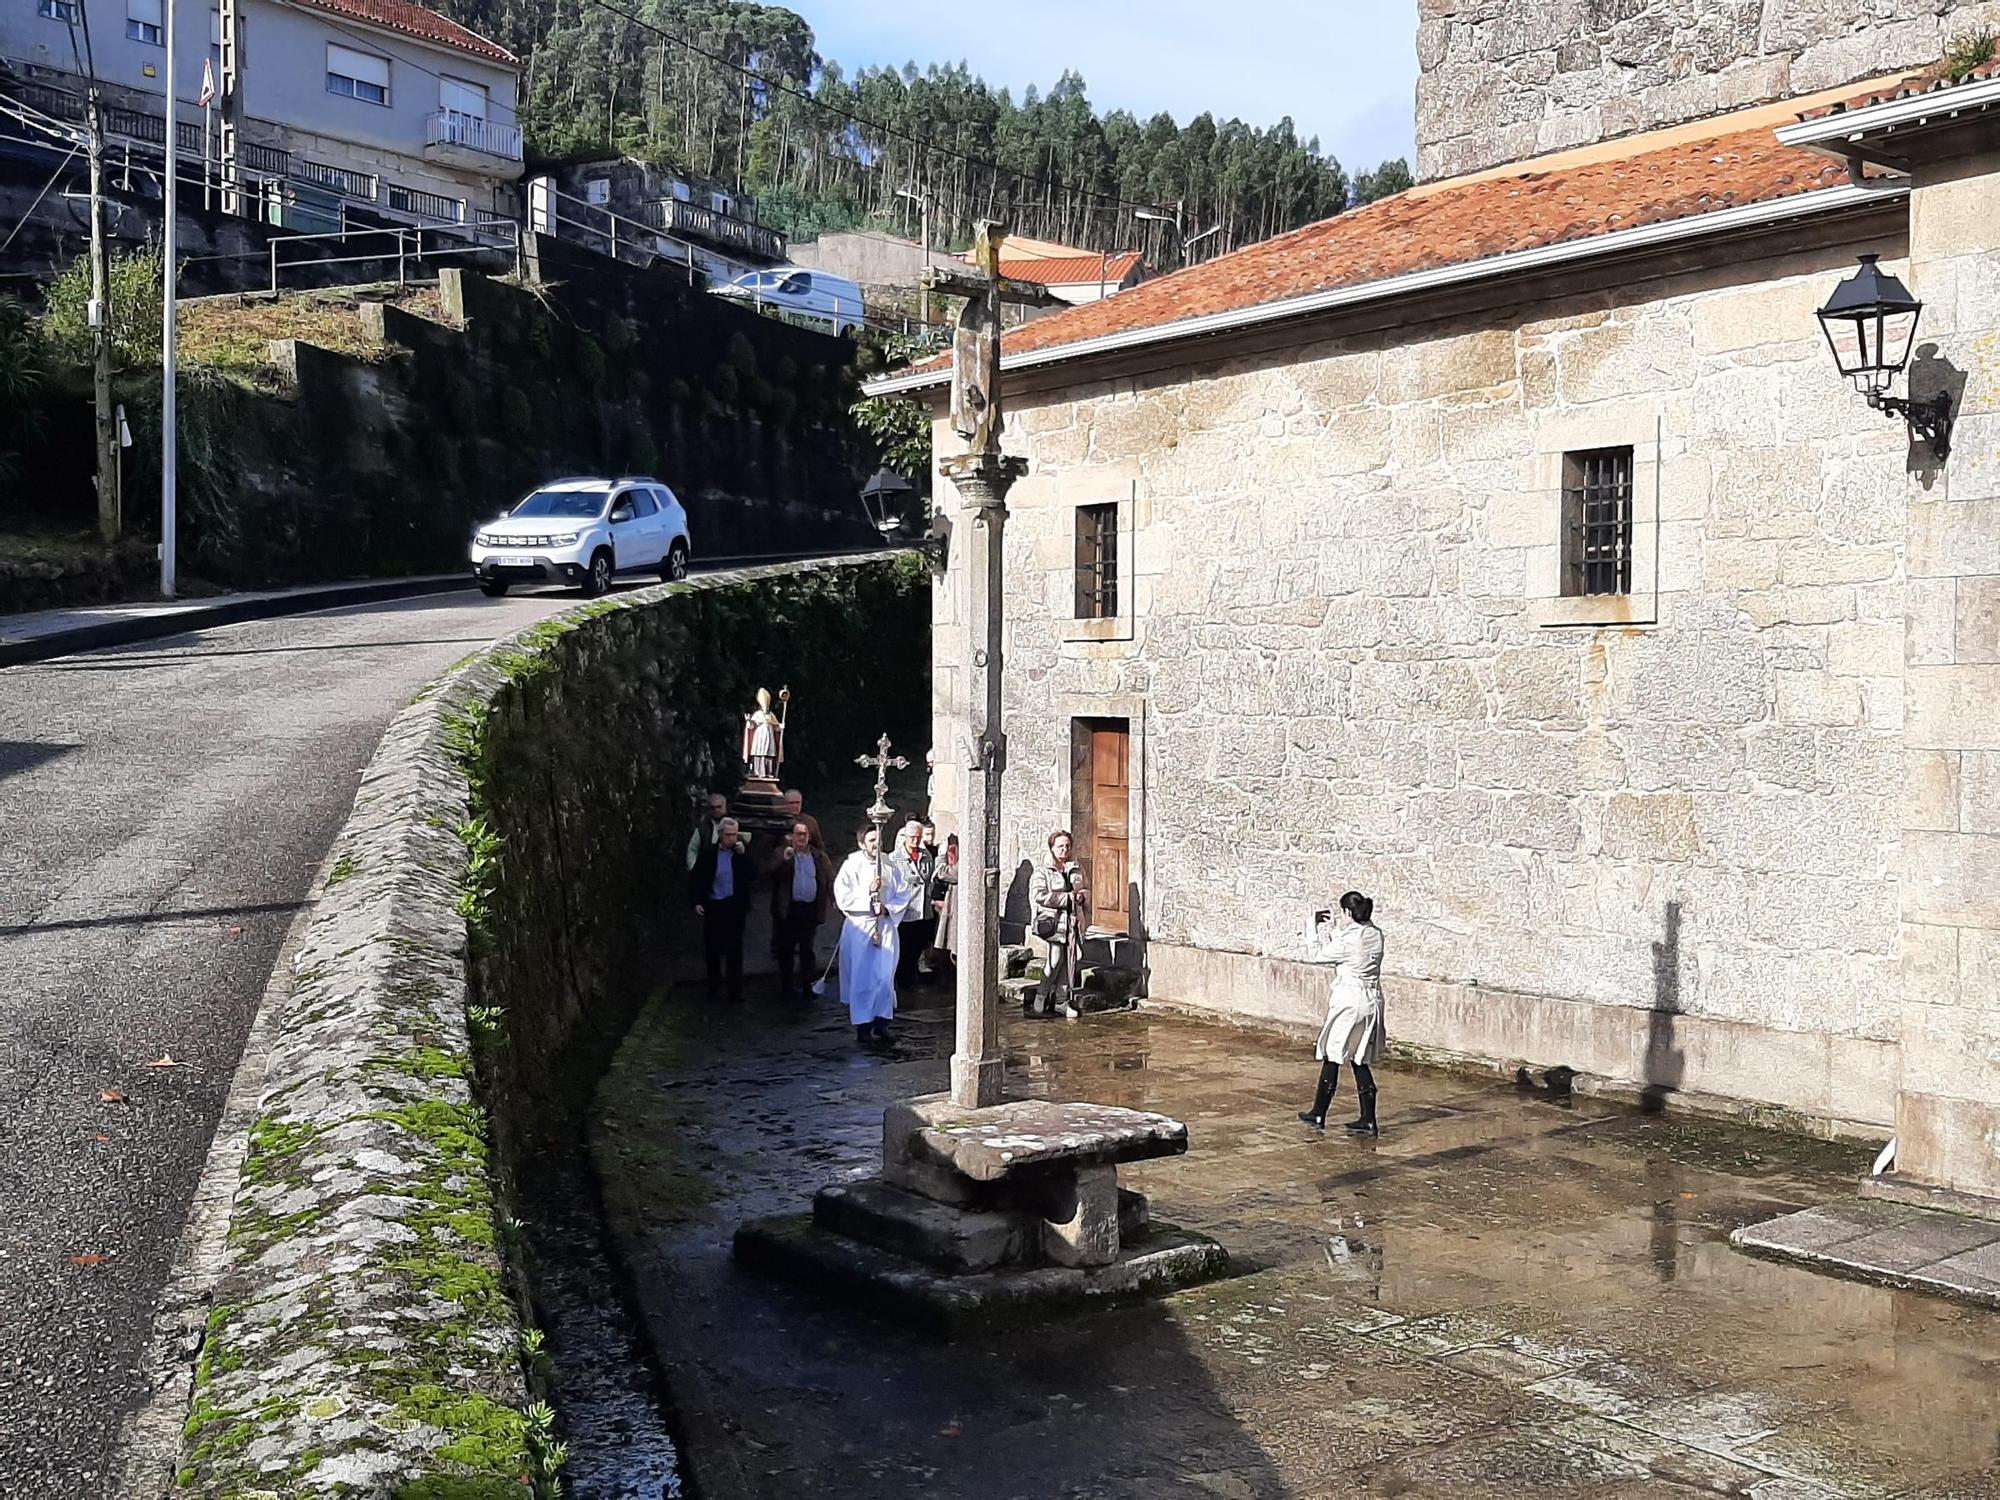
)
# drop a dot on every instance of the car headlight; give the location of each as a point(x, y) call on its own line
point(560, 539)
point(484, 539)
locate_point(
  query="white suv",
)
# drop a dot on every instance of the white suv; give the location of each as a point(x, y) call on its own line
point(584, 532)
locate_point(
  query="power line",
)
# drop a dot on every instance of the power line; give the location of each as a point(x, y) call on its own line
point(781, 86)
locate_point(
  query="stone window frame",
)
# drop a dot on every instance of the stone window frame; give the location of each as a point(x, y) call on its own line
point(1120, 626)
point(1555, 441)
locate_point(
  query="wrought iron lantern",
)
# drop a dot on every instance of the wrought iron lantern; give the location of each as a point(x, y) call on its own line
point(1871, 326)
point(886, 498)
point(895, 509)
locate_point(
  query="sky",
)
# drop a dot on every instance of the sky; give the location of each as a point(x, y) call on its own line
point(1344, 70)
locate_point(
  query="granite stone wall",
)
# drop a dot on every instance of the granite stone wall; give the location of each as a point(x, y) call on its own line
point(1653, 839)
point(493, 912)
point(1502, 80)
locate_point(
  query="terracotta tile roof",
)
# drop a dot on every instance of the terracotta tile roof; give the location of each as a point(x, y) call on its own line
point(419, 21)
point(1445, 224)
point(1075, 270)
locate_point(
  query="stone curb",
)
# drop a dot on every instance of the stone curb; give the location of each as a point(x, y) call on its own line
point(364, 1335)
point(229, 610)
point(235, 609)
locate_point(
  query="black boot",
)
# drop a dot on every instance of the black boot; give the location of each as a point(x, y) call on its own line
point(1365, 1125)
point(1329, 1077)
point(863, 1034)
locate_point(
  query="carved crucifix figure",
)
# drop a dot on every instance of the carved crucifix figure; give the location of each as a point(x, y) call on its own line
point(975, 351)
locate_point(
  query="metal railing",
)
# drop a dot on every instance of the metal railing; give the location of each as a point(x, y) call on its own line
point(408, 247)
point(363, 187)
point(451, 127)
point(592, 225)
point(407, 200)
point(676, 217)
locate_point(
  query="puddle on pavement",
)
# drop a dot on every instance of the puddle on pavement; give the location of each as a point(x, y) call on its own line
point(1502, 1293)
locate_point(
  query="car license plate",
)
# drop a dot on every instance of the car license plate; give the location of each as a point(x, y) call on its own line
point(515, 561)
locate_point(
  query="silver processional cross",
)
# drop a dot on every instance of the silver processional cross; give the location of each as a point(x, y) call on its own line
point(882, 762)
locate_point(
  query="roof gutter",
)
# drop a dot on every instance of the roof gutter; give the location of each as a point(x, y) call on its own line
point(1492, 267)
point(1831, 133)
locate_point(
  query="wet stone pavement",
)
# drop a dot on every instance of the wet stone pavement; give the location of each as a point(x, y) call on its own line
point(1503, 1295)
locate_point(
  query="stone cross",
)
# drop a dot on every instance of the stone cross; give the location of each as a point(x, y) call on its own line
point(982, 476)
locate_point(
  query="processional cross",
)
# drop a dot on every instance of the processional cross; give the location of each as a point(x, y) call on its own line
point(882, 762)
point(982, 476)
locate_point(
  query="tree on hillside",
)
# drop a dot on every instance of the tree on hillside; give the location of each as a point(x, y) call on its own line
point(735, 91)
point(1390, 178)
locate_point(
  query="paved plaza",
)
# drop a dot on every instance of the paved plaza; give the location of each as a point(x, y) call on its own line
point(1505, 1294)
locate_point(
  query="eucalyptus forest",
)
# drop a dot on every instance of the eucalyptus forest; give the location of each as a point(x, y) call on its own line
point(736, 92)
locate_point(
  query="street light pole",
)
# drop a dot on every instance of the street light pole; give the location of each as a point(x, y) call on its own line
point(168, 431)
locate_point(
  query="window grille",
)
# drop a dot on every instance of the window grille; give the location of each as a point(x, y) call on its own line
point(1097, 562)
point(406, 200)
point(1597, 522)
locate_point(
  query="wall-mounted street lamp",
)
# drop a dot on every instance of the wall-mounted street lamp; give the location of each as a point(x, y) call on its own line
point(1871, 326)
point(895, 510)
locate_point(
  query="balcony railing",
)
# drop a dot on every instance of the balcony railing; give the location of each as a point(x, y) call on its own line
point(360, 185)
point(409, 200)
point(449, 127)
point(717, 229)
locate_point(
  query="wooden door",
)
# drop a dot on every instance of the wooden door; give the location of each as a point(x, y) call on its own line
point(1103, 803)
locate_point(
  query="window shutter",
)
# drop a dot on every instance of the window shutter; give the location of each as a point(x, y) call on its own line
point(362, 67)
point(462, 98)
point(145, 12)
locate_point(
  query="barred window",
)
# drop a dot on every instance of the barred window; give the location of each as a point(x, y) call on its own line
point(1097, 562)
point(1597, 522)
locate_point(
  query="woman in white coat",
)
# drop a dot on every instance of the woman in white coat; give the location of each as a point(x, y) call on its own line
point(1353, 1031)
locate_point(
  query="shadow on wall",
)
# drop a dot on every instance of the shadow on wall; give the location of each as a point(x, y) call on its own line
point(1014, 912)
point(1931, 375)
point(1665, 1064)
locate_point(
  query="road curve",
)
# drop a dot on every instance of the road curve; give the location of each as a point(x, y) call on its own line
point(162, 810)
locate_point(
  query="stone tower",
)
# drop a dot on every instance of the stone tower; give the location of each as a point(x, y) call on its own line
point(1502, 80)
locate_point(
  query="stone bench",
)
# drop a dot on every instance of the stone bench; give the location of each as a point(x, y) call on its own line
point(1038, 1163)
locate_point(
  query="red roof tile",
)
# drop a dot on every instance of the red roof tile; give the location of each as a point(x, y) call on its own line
point(1074, 270)
point(419, 21)
point(1444, 224)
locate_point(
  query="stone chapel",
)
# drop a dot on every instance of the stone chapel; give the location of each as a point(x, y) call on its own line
point(1514, 551)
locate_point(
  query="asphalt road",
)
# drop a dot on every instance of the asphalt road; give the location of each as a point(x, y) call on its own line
point(162, 810)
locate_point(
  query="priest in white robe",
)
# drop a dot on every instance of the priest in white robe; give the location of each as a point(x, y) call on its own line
point(872, 894)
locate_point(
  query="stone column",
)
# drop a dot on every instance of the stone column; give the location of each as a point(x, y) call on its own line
point(1948, 1108)
point(983, 482)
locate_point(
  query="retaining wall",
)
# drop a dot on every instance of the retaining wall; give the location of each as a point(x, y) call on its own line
point(494, 912)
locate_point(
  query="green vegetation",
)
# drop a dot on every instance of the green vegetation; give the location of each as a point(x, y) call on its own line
point(135, 308)
point(596, 82)
point(1967, 52)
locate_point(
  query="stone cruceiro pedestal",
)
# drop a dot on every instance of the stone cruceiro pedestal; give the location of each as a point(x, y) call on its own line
point(985, 1215)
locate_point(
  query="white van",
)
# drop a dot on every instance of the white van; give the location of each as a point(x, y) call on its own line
point(818, 297)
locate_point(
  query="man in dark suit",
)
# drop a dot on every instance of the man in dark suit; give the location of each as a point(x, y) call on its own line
point(719, 889)
point(801, 896)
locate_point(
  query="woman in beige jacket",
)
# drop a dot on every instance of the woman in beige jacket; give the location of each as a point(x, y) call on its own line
point(1353, 1031)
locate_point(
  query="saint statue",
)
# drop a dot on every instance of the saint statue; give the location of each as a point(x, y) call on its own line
point(764, 738)
point(975, 351)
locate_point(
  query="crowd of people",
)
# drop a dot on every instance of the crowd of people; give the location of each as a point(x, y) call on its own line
point(899, 926)
point(898, 909)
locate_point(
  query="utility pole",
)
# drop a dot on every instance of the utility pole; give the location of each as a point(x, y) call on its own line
point(109, 501)
point(168, 431)
point(922, 198)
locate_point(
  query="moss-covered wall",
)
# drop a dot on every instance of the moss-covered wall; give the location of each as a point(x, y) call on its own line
point(529, 811)
point(350, 467)
point(584, 772)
